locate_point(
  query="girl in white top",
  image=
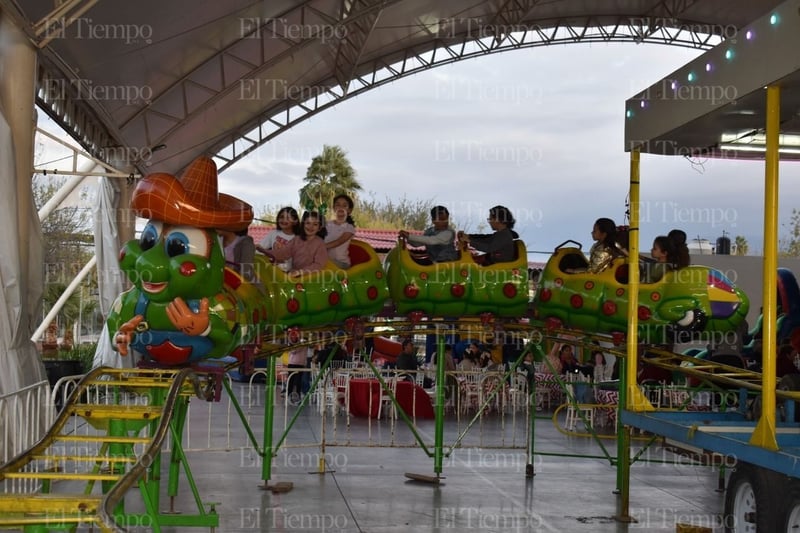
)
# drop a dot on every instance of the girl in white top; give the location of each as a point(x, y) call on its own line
point(340, 230)
point(287, 223)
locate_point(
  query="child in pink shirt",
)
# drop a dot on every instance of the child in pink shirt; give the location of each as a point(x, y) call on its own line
point(307, 251)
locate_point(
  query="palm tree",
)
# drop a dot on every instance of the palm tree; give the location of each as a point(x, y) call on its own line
point(329, 174)
point(741, 245)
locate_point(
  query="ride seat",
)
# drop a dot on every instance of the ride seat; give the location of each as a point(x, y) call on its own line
point(358, 255)
point(621, 274)
point(577, 260)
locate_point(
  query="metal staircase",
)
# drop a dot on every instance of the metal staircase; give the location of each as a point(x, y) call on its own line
point(107, 439)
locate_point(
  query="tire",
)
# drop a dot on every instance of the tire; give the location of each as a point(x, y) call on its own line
point(752, 500)
point(791, 516)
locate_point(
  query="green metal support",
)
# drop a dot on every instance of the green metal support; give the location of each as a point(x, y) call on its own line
point(152, 487)
point(269, 417)
point(178, 423)
point(438, 443)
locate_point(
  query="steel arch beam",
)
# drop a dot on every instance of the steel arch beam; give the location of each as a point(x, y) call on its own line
point(286, 114)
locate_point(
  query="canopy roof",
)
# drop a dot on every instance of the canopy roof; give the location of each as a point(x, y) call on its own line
point(157, 83)
point(715, 105)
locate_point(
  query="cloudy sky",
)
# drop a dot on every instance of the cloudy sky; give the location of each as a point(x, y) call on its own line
point(538, 130)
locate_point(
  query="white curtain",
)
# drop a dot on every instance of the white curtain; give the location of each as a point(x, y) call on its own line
point(109, 275)
point(21, 274)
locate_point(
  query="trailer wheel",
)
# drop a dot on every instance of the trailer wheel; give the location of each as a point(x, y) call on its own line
point(791, 522)
point(752, 500)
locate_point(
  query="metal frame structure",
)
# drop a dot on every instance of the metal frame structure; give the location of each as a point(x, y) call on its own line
point(345, 48)
point(767, 86)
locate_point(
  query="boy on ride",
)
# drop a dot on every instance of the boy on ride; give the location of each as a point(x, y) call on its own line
point(438, 240)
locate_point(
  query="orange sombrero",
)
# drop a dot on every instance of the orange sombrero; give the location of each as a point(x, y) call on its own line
point(192, 200)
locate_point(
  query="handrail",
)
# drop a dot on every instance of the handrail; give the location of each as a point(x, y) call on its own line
point(105, 515)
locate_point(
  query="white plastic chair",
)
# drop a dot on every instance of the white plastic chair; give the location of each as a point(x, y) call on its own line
point(577, 411)
point(518, 392)
point(385, 399)
point(469, 390)
point(336, 394)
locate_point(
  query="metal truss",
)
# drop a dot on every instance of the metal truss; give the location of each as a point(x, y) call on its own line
point(467, 44)
point(512, 25)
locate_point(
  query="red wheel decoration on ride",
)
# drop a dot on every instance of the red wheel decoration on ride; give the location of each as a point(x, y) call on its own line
point(298, 286)
point(293, 305)
point(457, 290)
point(515, 272)
point(333, 298)
point(423, 275)
point(620, 291)
point(411, 291)
point(416, 316)
point(372, 292)
point(617, 338)
point(644, 313)
point(609, 307)
point(576, 301)
point(558, 282)
point(509, 290)
point(589, 285)
point(187, 269)
point(545, 295)
point(655, 296)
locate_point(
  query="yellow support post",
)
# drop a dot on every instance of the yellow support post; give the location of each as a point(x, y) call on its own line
point(764, 434)
point(634, 399)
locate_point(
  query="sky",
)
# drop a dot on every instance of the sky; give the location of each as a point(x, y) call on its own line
point(539, 130)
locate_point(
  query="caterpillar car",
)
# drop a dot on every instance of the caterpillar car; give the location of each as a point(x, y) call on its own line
point(457, 288)
point(692, 299)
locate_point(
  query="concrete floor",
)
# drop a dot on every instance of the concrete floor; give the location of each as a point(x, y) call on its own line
point(364, 489)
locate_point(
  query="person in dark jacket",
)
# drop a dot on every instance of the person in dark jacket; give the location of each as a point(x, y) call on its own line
point(499, 246)
point(407, 360)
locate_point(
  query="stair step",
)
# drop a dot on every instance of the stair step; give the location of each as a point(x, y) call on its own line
point(49, 503)
point(85, 458)
point(118, 412)
point(102, 439)
point(62, 476)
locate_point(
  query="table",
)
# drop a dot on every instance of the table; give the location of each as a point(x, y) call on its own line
point(365, 398)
